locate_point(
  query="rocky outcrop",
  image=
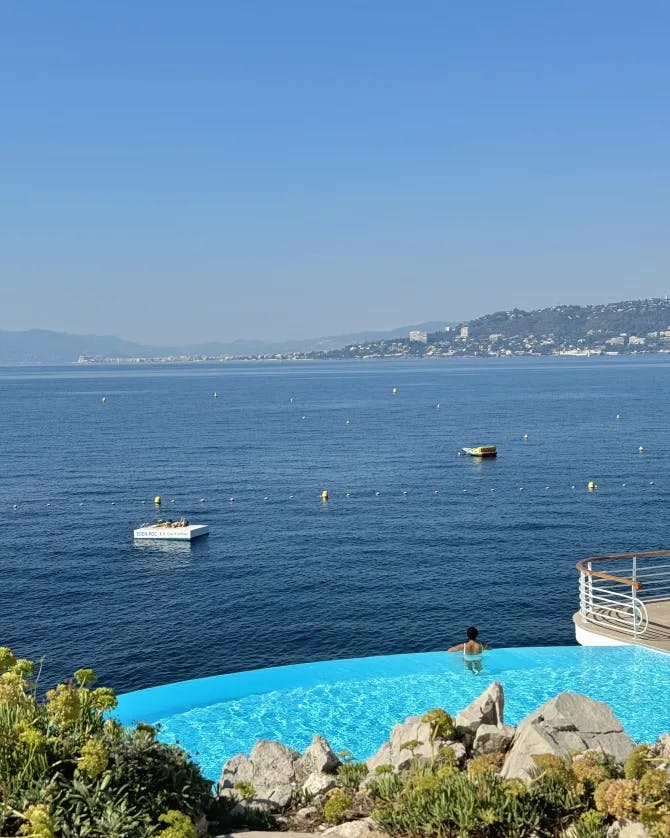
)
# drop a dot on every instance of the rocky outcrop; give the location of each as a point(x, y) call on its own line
point(272, 774)
point(491, 739)
point(410, 740)
point(486, 709)
point(269, 770)
point(568, 722)
point(318, 758)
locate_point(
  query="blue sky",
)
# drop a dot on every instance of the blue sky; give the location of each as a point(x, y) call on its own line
point(176, 172)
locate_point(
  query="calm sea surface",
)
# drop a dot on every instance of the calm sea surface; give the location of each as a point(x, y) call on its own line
point(414, 544)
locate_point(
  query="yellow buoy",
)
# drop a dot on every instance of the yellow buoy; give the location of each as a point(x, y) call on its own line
point(591, 486)
point(157, 500)
point(324, 494)
point(640, 450)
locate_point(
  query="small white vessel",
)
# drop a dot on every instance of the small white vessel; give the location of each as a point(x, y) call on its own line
point(172, 530)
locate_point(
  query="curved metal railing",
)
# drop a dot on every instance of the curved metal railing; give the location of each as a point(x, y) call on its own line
point(614, 598)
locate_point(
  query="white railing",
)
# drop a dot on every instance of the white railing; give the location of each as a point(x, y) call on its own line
point(614, 595)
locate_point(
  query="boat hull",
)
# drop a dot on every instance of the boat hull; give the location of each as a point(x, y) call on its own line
point(171, 533)
point(481, 451)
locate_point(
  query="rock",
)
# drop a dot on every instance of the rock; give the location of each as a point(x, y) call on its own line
point(662, 746)
point(457, 747)
point(490, 739)
point(318, 758)
point(392, 752)
point(382, 757)
point(318, 783)
point(627, 829)
point(364, 828)
point(270, 769)
point(568, 722)
point(307, 813)
point(237, 770)
point(487, 709)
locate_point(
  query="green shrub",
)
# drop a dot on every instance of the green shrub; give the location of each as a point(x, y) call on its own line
point(486, 764)
point(441, 723)
point(337, 805)
point(65, 770)
point(352, 773)
point(618, 798)
point(637, 763)
point(246, 790)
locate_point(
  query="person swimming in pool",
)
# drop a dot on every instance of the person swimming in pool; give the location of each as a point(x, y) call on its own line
point(473, 651)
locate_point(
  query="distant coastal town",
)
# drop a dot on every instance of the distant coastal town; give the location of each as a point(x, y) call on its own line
point(634, 327)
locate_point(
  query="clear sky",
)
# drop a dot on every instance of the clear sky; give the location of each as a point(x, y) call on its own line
point(174, 172)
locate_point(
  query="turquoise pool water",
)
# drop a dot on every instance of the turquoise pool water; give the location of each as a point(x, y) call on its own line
point(354, 703)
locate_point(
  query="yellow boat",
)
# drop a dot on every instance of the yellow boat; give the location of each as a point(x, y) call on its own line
point(481, 451)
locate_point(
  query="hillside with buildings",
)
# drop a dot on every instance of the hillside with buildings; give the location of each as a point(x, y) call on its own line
point(616, 328)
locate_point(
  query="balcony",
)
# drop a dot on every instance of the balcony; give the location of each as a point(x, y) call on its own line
point(624, 600)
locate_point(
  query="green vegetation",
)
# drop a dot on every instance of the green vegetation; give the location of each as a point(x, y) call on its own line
point(338, 805)
point(350, 772)
point(441, 723)
point(579, 797)
point(66, 770)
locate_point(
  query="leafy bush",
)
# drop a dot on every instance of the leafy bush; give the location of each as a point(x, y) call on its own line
point(486, 763)
point(637, 763)
point(66, 770)
point(337, 805)
point(441, 723)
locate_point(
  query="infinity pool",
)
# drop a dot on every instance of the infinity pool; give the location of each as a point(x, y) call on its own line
point(354, 703)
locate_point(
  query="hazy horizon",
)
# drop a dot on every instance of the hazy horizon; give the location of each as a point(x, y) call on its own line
point(251, 170)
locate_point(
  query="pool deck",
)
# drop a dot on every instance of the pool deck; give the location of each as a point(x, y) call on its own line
point(657, 635)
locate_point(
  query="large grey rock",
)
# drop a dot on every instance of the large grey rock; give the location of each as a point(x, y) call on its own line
point(270, 769)
point(486, 709)
point(364, 828)
point(318, 758)
point(491, 739)
point(393, 753)
point(318, 783)
point(568, 722)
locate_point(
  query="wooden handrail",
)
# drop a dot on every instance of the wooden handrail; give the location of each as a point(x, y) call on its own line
point(632, 583)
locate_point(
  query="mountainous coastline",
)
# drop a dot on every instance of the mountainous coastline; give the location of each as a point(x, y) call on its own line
point(614, 328)
point(40, 346)
point(633, 326)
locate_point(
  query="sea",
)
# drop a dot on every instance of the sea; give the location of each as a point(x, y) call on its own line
point(414, 544)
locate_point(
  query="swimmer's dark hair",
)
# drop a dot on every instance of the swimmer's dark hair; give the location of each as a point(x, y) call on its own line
point(472, 633)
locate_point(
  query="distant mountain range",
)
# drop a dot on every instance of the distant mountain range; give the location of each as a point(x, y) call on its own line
point(38, 346)
point(632, 326)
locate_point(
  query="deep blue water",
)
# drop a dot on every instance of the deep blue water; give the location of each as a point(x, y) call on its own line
point(283, 577)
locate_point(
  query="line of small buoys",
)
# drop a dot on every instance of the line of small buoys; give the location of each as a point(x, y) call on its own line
point(325, 494)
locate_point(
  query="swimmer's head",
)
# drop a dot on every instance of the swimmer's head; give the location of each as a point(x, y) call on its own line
point(472, 633)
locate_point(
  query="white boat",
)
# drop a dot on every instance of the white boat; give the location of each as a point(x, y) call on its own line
point(173, 531)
